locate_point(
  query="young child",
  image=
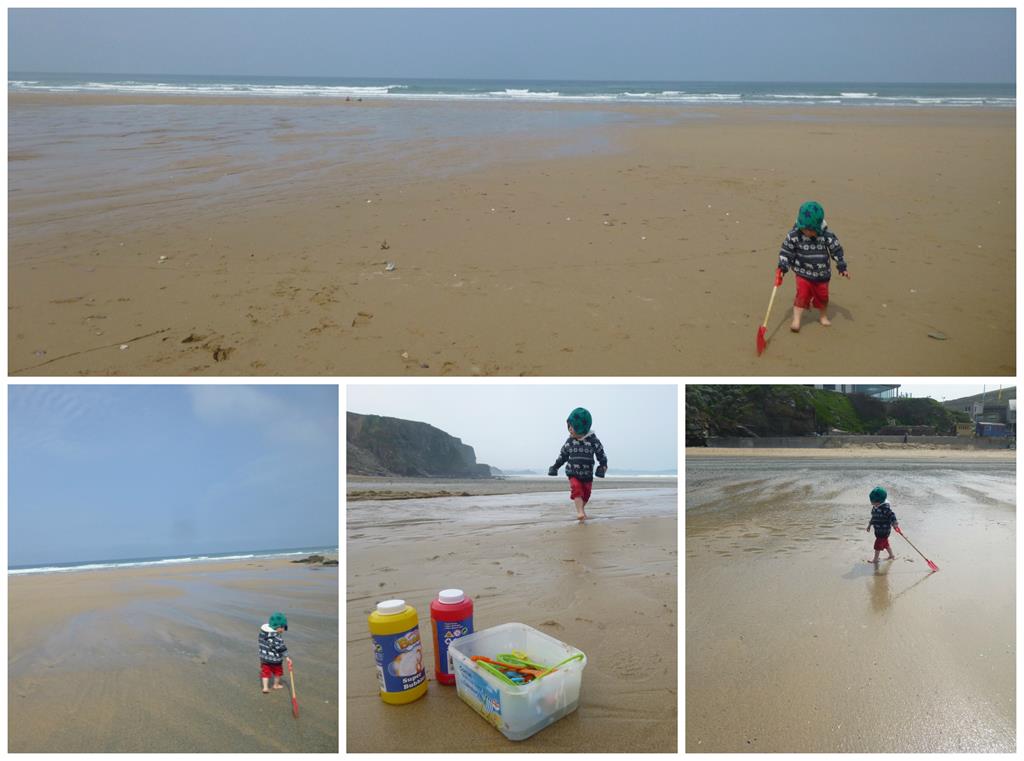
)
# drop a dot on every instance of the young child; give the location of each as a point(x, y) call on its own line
point(807, 249)
point(273, 651)
point(883, 519)
point(578, 453)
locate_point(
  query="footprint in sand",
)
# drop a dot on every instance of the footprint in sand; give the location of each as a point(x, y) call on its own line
point(553, 624)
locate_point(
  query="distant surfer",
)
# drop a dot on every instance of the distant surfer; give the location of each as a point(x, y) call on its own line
point(578, 454)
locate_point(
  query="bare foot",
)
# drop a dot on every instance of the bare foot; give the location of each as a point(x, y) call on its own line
point(795, 327)
point(266, 691)
point(581, 517)
point(278, 686)
point(824, 321)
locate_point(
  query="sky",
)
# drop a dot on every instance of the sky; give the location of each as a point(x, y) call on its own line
point(109, 472)
point(947, 391)
point(523, 427)
point(682, 44)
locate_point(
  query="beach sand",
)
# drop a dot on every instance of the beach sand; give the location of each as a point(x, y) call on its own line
point(608, 588)
point(165, 659)
point(659, 226)
point(371, 487)
point(795, 643)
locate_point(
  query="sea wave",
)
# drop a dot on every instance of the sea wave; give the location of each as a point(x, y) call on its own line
point(155, 562)
point(571, 93)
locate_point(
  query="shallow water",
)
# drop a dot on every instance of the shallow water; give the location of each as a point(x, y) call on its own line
point(438, 517)
point(783, 608)
point(83, 165)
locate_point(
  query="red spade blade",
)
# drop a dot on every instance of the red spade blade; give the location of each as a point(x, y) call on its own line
point(761, 343)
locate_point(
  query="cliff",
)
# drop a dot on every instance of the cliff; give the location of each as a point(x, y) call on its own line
point(720, 410)
point(386, 446)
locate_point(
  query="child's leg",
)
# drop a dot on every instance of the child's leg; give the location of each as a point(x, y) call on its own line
point(797, 314)
point(821, 301)
point(578, 501)
point(266, 684)
point(875, 559)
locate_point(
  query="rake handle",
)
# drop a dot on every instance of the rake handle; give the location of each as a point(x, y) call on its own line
point(930, 563)
point(775, 289)
point(291, 681)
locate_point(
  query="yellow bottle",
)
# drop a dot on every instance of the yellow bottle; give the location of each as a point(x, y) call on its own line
point(398, 651)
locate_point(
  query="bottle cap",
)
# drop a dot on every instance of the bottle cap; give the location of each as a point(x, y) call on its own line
point(390, 607)
point(451, 596)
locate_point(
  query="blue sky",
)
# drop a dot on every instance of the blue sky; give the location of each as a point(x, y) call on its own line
point(523, 426)
point(105, 472)
point(763, 44)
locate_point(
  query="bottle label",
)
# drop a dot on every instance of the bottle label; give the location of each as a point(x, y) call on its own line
point(446, 632)
point(399, 660)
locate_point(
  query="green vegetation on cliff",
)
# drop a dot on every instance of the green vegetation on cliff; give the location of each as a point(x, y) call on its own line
point(759, 410)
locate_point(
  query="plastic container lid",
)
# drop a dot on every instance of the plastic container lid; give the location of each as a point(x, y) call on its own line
point(390, 607)
point(451, 596)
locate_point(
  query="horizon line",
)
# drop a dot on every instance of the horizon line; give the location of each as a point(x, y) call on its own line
point(524, 79)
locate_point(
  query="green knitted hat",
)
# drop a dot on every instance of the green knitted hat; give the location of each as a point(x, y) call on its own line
point(580, 420)
point(878, 494)
point(278, 620)
point(811, 215)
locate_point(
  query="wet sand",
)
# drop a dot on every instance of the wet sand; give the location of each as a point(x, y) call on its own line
point(666, 222)
point(608, 588)
point(795, 643)
point(164, 660)
point(369, 487)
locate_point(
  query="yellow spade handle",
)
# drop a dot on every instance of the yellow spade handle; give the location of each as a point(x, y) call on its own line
point(770, 302)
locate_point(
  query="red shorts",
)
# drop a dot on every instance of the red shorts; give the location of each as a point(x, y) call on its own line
point(882, 544)
point(579, 489)
point(268, 670)
point(809, 293)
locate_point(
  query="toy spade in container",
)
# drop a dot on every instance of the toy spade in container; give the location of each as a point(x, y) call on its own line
point(519, 679)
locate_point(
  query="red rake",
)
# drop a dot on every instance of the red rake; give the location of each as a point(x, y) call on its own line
point(930, 563)
point(291, 680)
point(761, 340)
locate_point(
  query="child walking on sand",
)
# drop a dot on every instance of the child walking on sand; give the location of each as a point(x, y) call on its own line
point(273, 651)
point(807, 249)
point(883, 519)
point(578, 454)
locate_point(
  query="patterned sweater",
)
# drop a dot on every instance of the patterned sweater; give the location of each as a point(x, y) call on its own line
point(883, 518)
point(272, 647)
point(809, 257)
point(579, 455)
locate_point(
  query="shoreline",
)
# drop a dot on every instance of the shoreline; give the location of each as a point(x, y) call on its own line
point(361, 488)
point(657, 219)
point(158, 563)
point(88, 649)
point(895, 452)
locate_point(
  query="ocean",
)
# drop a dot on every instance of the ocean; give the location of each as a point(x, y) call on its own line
point(93, 565)
point(679, 93)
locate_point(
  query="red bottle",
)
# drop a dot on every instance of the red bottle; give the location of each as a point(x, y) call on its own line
point(451, 617)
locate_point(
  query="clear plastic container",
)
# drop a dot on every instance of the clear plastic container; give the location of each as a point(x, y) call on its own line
point(518, 711)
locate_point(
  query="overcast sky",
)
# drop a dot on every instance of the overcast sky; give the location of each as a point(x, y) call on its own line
point(109, 472)
point(803, 45)
point(517, 427)
point(946, 391)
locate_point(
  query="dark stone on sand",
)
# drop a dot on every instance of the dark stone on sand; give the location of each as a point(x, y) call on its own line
point(311, 559)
